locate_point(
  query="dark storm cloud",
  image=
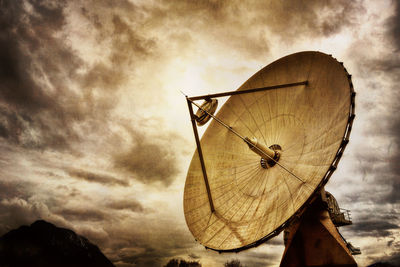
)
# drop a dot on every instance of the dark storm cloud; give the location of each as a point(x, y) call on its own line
point(82, 214)
point(96, 177)
point(126, 42)
point(391, 67)
point(18, 86)
point(218, 23)
point(391, 260)
point(17, 211)
point(51, 97)
point(375, 225)
point(70, 192)
point(149, 163)
point(393, 25)
point(126, 204)
point(148, 240)
point(384, 167)
point(242, 25)
point(394, 196)
point(381, 75)
point(28, 50)
point(127, 45)
point(151, 158)
point(314, 18)
point(36, 130)
point(10, 189)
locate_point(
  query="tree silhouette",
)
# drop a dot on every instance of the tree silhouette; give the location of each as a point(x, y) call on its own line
point(182, 263)
point(233, 263)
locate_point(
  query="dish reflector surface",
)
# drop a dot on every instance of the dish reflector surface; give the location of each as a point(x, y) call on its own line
point(308, 122)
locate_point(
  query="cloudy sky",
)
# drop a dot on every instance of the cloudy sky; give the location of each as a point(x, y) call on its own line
point(95, 134)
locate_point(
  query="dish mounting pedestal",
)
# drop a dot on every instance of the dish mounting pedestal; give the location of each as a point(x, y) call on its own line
point(314, 240)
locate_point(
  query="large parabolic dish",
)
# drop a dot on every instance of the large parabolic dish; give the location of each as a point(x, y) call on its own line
point(309, 123)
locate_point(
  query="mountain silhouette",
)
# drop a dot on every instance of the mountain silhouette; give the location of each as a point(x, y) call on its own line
point(43, 244)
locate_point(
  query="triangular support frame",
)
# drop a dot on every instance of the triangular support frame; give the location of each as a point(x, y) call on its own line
point(196, 134)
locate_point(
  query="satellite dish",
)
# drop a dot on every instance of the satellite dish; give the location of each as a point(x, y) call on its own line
point(268, 151)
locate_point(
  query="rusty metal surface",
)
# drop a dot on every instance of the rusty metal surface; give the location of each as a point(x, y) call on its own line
point(315, 241)
point(311, 123)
